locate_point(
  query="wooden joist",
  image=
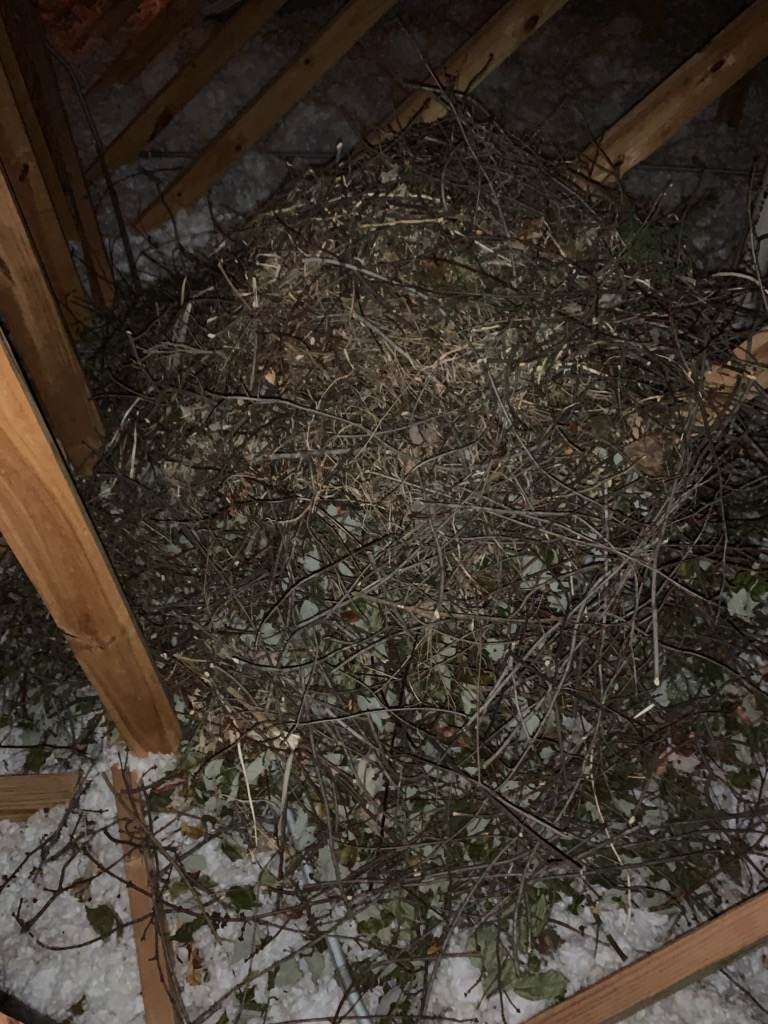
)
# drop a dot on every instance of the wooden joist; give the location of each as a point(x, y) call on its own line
point(42, 341)
point(30, 171)
point(215, 54)
point(687, 959)
point(106, 25)
point(157, 980)
point(731, 105)
point(688, 91)
point(22, 45)
point(50, 533)
point(743, 379)
point(22, 795)
point(25, 108)
point(263, 112)
point(470, 65)
point(149, 43)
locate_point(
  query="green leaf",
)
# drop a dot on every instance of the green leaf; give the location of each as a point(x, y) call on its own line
point(103, 920)
point(77, 1009)
point(232, 850)
point(35, 759)
point(549, 985)
point(242, 897)
point(288, 974)
point(184, 932)
point(316, 964)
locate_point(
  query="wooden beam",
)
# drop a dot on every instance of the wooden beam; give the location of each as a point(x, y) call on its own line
point(26, 108)
point(688, 91)
point(22, 795)
point(148, 926)
point(41, 339)
point(679, 963)
point(106, 25)
point(214, 55)
point(470, 65)
point(263, 112)
point(731, 105)
point(25, 35)
point(744, 378)
point(148, 44)
point(37, 190)
point(49, 532)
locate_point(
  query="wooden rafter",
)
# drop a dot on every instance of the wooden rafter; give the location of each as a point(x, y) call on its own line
point(263, 112)
point(688, 91)
point(743, 377)
point(197, 72)
point(470, 65)
point(112, 18)
point(42, 341)
point(731, 105)
point(693, 956)
point(22, 795)
point(51, 535)
point(25, 108)
point(149, 43)
point(32, 176)
point(22, 42)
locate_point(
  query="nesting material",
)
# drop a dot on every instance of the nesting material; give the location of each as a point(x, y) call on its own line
point(408, 488)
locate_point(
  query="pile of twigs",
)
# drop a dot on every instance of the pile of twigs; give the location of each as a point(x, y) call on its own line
point(411, 481)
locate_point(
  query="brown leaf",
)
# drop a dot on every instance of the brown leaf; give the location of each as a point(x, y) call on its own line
point(548, 941)
point(647, 453)
point(192, 831)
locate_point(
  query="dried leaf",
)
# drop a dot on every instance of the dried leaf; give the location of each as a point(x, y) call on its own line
point(647, 454)
point(415, 435)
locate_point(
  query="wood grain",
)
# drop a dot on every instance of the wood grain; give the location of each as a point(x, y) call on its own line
point(215, 54)
point(42, 341)
point(679, 98)
point(140, 872)
point(36, 186)
point(49, 531)
point(25, 36)
point(148, 43)
point(263, 112)
point(495, 41)
point(105, 25)
point(22, 795)
point(693, 956)
point(25, 102)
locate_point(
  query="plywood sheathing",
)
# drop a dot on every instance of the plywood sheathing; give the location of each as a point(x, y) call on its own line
point(680, 97)
point(51, 535)
point(196, 73)
point(263, 112)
